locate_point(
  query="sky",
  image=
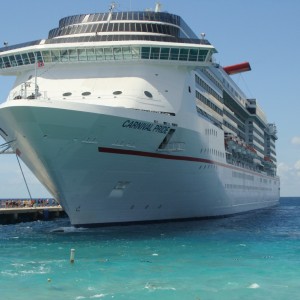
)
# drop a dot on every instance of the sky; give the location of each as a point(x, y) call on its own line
point(264, 32)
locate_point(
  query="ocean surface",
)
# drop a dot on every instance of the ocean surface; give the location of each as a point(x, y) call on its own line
point(249, 256)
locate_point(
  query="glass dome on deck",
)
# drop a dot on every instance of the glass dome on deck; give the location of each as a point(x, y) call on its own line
point(119, 26)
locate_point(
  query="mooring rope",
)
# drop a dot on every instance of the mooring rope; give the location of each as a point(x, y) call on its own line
point(23, 176)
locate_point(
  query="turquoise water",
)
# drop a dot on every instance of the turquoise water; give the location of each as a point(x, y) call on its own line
point(251, 256)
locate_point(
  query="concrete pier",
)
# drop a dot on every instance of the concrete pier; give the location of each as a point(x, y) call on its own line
point(26, 214)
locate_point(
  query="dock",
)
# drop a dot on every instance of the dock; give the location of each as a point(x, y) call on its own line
point(17, 214)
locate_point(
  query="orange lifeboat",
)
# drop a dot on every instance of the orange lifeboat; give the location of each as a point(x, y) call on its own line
point(238, 68)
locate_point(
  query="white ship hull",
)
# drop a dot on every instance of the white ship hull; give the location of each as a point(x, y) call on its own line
point(124, 117)
point(103, 171)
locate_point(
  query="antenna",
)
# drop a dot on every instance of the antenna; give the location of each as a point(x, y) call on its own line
point(158, 7)
point(111, 10)
point(202, 35)
point(112, 6)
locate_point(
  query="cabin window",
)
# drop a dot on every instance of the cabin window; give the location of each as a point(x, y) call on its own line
point(55, 55)
point(159, 28)
point(82, 54)
point(193, 55)
point(144, 27)
point(154, 27)
point(164, 53)
point(145, 52)
point(46, 56)
point(25, 58)
point(64, 55)
point(132, 27)
point(110, 27)
point(154, 53)
point(12, 60)
point(121, 27)
point(91, 54)
point(138, 27)
point(104, 28)
point(148, 94)
point(108, 53)
point(31, 57)
point(73, 55)
point(99, 54)
point(119, 16)
point(174, 53)
point(126, 52)
point(135, 51)
point(202, 55)
point(118, 53)
point(19, 59)
point(94, 28)
point(183, 54)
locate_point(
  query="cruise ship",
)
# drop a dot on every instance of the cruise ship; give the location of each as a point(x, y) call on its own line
point(124, 116)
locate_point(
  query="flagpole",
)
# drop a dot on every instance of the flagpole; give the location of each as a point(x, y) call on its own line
point(36, 89)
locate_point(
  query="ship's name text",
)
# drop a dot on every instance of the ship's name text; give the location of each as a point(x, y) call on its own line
point(146, 126)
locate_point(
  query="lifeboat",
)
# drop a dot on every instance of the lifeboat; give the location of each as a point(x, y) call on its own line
point(238, 68)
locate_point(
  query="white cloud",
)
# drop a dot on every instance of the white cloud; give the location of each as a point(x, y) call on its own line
point(289, 178)
point(296, 140)
point(297, 165)
point(282, 168)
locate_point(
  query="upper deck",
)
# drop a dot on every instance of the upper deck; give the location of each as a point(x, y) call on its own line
point(148, 25)
point(110, 36)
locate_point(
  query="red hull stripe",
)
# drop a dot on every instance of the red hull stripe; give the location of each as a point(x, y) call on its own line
point(154, 155)
point(174, 157)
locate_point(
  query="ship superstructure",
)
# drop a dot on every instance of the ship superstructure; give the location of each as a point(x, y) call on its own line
point(124, 117)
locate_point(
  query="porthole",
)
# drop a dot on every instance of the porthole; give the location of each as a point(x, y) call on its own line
point(117, 92)
point(148, 94)
point(67, 94)
point(86, 93)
